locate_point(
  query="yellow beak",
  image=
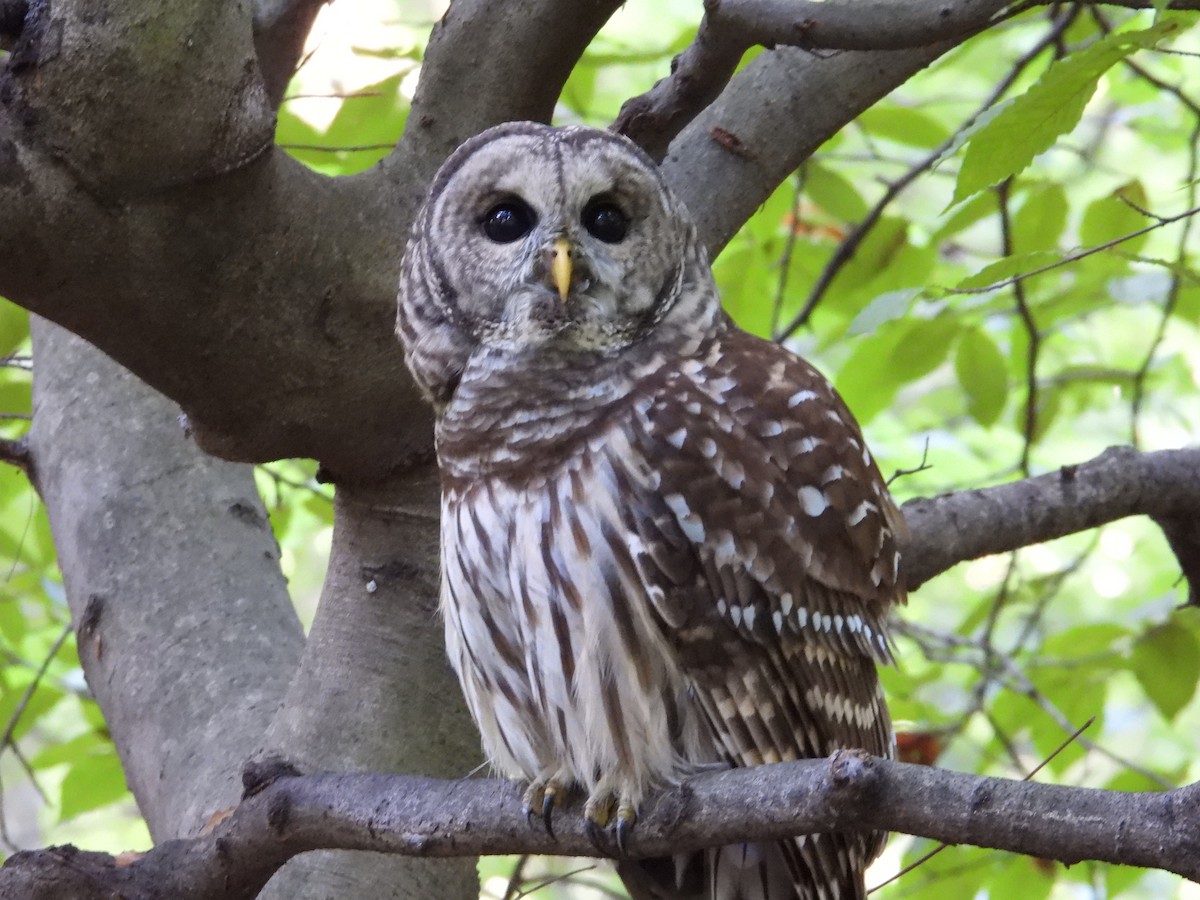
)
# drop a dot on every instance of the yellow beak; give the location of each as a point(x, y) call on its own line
point(560, 266)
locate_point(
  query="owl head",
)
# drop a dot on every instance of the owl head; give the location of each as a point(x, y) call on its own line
point(541, 240)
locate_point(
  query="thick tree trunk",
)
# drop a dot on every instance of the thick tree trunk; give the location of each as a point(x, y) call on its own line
point(374, 691)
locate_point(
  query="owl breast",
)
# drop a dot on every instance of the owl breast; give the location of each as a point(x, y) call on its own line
point(559, 660)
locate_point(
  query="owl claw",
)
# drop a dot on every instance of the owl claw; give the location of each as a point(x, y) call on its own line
point(540, 798)
point(548, 810)
point(626, 818)
point(597, 835)
point(607, 809)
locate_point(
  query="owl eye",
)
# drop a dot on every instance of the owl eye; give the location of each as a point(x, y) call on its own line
point(605, 221)
point(507, 221)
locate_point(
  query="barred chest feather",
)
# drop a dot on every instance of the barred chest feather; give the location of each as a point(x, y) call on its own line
point(546, 621)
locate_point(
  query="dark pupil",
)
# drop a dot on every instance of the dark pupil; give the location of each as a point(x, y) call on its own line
point(606, 222)
point(506, 222)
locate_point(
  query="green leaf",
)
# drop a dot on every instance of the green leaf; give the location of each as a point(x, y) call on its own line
point(964, 216)
point(1003, 269)
point(40, 702)
point(904, 125)
point(71, 751)
point(863, 379)
point(1030, 124)
point(887, 307)
point(983, 373)
point(373, 119)
point(833, 193)
point(1111, 217)
point(95, 780)
point(1166, 660)
point(924, 346)
point(1041, 220)
point(14, 327)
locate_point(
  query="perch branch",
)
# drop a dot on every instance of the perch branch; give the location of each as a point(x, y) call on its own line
point(425, 817)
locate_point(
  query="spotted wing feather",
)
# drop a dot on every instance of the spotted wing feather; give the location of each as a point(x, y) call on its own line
point(769, 548)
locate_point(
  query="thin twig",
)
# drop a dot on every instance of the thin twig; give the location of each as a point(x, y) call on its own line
point(1075, 257)
point(352, 148)
point(1029, 432)
point(849, 246)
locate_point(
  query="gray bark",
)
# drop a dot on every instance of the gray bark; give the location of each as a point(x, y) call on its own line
point(848, 791)
point(375, 692)
point(185, 629)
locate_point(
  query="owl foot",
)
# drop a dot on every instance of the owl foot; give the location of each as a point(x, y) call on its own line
point(543, 794)
point(607, 807)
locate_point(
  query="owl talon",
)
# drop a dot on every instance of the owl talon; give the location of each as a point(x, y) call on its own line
point(597, 835)
point(626, 818)
point(548, 810)
point(540, 798)
point(608, 809)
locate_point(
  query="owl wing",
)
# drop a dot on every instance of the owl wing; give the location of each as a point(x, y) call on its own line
point(769, 552)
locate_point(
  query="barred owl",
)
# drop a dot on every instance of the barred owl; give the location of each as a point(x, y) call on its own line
point(664, 542)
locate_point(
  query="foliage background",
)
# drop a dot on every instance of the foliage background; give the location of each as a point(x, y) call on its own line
point(963, 381)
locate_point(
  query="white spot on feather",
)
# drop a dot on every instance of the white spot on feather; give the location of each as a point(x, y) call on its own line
point(860, 512)
point(812, 500)
point(800, 397)
point(675, 438)
point(692, 527)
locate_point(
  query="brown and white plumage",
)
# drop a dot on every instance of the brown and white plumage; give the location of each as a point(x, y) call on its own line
point(664, 542)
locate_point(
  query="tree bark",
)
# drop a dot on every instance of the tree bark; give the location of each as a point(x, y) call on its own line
point(423, 817)
point(375, 691)
point(185, 629)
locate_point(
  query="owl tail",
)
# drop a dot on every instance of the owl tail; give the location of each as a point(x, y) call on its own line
point(813, 867)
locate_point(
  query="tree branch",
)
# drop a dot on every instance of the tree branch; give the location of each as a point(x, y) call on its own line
point(17, 453)
point(1120, 482)
point(424, 817)
point(184, 656)
point(731, 27)
point(281, 28)
point(536, 42)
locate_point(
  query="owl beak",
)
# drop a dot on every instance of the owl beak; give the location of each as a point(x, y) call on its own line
point(561, 265)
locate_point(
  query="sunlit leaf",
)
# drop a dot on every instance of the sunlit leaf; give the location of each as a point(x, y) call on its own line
point(1040, 220)
point(904, 125)
point(1166, 660)
point(983, 373)
point(93, 781)
point(1116, 216)
point(1032, 122)
point(833, 193)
